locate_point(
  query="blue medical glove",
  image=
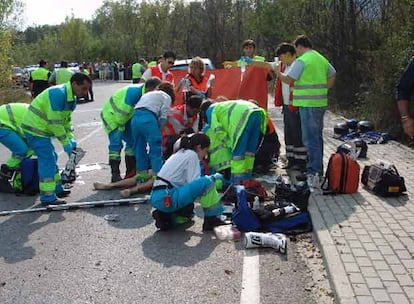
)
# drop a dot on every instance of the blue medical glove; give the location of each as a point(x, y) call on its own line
point(68, 148)
point(73, 143)
point(247, 59)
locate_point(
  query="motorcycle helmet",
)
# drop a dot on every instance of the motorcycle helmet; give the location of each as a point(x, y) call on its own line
point(341, 128)
point(352, 124)
point(365, 126)
point(349, 148)
point(361, 147)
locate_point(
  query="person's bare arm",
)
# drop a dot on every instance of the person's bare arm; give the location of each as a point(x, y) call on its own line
point(331, 82)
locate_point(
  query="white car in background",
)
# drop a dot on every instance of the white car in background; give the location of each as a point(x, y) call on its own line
point(182, 64)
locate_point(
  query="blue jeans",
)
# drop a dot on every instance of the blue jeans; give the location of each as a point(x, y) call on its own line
point(312, 127)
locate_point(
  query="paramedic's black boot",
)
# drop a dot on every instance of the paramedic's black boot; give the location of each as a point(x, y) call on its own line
point(57, 201)
point(130, 166)
point(116, 174)
point(212, 221)
point(6, 172)
point(163, 220)
point(63, 194)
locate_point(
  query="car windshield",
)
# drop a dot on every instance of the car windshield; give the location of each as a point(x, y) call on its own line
point(17, 71)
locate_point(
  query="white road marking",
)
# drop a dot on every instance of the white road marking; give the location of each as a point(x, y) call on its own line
point(250, 293)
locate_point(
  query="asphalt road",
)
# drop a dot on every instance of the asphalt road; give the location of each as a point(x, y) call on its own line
point(78, 257)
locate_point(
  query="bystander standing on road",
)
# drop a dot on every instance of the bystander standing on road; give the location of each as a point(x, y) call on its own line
point(161, 70)
point(39, 79)
point(312, 75)
point(61, 74)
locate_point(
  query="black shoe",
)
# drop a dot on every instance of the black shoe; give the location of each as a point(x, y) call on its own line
point(187, 211)
point(63, 194)
point(301, 177)
point(212, 221)
point(163, 221)
point(116, 178)
point(57, 201)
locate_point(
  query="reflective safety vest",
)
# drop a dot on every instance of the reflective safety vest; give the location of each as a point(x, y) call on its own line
point(50, 114)
point(156, 72)
point(227, 121)
point(40, 74)
point(255, 57)
point(137, 70)
point(311, 88)
point(119, 108)
point(63, 75)
point(177, 120)
point(11, 116)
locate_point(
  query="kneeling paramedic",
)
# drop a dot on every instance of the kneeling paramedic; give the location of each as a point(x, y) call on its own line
point(179, 183)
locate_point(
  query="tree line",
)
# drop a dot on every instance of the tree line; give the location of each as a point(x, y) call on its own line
point(368, 41)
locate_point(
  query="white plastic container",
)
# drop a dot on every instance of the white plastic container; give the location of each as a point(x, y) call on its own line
point(227, 233)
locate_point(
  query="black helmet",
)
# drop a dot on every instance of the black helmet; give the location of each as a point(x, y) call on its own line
point(352, 124)
point(361, 147)
point(341, 128)
point(365, 126)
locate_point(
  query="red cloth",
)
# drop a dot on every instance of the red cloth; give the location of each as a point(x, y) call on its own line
point(279, 96)
point(228, 83)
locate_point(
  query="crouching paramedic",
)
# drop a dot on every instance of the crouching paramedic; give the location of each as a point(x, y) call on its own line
point(116, 117)
point(234, 128)
point(48, 116)
point(12, 136)
point(181, 119)
point(179, 183)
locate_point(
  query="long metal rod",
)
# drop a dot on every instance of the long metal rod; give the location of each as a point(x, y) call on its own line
point(79, 205)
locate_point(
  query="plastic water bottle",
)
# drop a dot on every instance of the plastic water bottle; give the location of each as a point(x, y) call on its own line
point(256, 203)
point(227, 232)
point(285, 210)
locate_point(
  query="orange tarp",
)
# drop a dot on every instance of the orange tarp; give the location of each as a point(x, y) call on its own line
point(231, 84)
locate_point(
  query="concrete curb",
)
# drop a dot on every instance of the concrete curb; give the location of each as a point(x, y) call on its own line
point(334, 266)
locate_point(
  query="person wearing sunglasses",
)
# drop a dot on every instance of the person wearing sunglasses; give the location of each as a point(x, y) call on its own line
point(162, 70)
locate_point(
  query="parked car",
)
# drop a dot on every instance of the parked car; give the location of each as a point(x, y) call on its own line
point(182, 64)
point(17, 74)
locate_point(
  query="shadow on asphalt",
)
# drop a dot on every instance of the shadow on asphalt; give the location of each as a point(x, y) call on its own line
point(15, 232)
point(171, 248)
point(130, 217)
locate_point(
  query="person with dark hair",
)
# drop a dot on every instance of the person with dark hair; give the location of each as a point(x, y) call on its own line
point(61, 74)
point(234, 128)
point(39, 79)
point(116, 116)
point(179, 183)
point(181, 120)
point(295, 150)
point(313, 76)
point(83, 68)
point(195, 82)
point(149, 118)
point(405, 89)
point(162, 69)
point(49, 116)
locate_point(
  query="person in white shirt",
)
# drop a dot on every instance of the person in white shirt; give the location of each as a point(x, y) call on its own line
point(149, 118)
point(179, 183)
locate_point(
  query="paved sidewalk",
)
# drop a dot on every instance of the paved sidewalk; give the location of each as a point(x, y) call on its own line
point(367, 241)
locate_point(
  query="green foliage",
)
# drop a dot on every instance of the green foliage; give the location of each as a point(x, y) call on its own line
point(368, 42)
